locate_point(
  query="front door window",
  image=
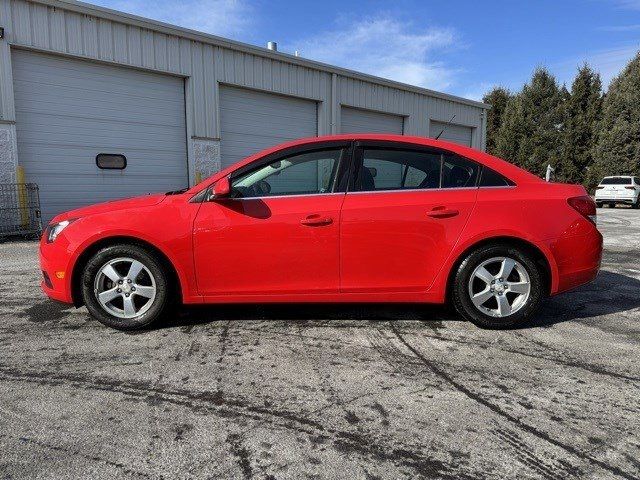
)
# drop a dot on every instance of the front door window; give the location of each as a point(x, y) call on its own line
point(302, 174)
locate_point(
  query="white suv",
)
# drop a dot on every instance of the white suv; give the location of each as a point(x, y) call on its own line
point(619, 189)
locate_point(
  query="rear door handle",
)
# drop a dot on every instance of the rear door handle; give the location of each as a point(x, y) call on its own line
point(441, 212)
point(316, 220)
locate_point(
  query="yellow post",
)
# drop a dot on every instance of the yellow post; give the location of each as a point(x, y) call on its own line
point(22, 196)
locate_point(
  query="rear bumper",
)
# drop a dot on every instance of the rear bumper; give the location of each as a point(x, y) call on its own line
point(578, 259)
point(629, 201)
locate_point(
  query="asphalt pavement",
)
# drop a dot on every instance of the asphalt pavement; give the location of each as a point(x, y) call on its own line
point(312, 391)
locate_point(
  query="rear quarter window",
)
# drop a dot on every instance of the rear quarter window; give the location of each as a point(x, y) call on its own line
point(491, 178)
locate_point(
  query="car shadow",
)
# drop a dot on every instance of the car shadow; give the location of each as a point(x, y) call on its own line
point(309, 314)
point(610, 293)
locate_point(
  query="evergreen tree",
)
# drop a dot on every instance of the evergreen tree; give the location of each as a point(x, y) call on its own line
point(512, 131)
point(583, 109)
point(617, 151)
point(531, 132)
point(498, 98)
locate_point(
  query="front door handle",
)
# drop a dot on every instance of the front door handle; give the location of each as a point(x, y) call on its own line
point(316, 220)
point(441, 212)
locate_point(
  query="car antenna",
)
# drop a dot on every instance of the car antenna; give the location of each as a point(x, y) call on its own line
point(446, 125)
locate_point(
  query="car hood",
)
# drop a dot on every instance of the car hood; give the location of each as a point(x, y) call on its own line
point(135, 202)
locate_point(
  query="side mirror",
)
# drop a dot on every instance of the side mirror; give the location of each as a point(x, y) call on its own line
point(221, 189)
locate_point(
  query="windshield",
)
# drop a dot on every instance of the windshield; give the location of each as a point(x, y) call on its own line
point(616, 181)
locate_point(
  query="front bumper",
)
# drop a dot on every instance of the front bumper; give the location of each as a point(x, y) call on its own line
point(56, 272)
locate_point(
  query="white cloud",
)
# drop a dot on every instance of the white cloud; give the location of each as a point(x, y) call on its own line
point(629, 4)
point(476, 92)
point(228, 18)
point(620, 28)
point(386, 47)
point(609, 63)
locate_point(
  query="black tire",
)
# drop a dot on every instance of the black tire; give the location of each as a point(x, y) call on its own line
point(160, 303)
point(612, 205)
point(637, 204)
point(599, 204)
point(462, 298)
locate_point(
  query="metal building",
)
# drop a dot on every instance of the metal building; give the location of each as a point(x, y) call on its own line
point(78, 80)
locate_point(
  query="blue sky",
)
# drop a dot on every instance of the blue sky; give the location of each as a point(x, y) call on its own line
point(460, 47)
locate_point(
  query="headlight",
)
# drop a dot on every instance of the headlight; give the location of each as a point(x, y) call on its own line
point(54, 229)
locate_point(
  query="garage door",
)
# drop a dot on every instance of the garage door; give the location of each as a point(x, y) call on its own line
point(251, 121)
point(354, 120)
point(68, 111)
point(452, 133)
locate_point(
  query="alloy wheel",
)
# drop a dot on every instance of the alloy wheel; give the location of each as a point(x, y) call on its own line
point(499, 286)
point(125, 287)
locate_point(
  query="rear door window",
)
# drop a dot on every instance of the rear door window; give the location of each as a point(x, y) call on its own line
point(400, 169)
point(458, 172)
point(391, 169)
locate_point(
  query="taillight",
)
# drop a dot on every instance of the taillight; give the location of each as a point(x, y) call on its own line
point(585, 206)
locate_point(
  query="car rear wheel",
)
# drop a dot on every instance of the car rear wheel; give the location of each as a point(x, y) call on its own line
point(125, 287)
point(599, 204)
point(497, 286)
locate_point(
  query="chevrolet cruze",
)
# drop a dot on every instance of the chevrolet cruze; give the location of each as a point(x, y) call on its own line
point(349, 218)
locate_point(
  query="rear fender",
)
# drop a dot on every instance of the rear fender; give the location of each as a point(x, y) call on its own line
point(459, 252)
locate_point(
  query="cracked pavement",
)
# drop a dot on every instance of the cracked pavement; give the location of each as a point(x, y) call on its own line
point(325, 391)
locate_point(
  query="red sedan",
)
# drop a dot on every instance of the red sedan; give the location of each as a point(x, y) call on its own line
point(349, 218)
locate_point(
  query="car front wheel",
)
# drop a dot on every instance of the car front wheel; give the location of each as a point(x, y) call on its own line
point(497, 286)
point(125, 287)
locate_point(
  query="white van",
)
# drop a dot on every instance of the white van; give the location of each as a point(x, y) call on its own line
point(618, 189)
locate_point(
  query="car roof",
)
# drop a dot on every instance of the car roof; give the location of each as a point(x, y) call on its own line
point(619, 176)
point(503, 167)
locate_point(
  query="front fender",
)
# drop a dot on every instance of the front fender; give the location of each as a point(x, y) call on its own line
point(167, 229)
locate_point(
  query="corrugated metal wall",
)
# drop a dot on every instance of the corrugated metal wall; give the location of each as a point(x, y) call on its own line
point(56, 29)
